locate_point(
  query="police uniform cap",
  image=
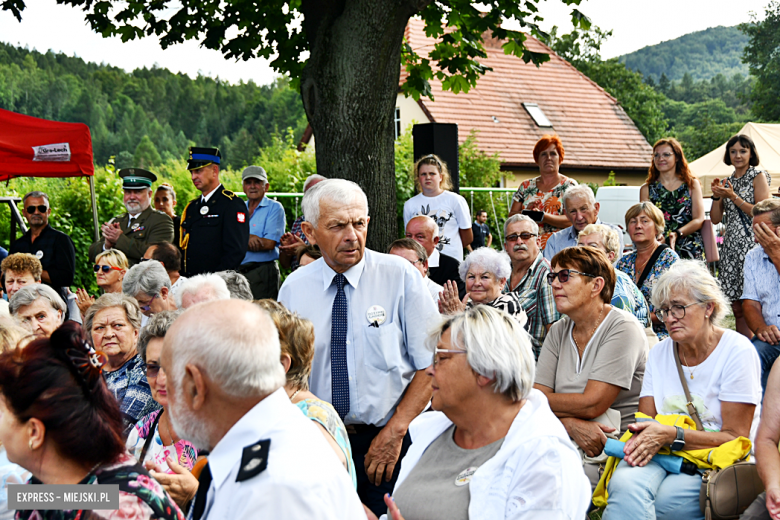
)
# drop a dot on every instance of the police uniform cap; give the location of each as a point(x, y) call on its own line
point(200, 157)
point(137, 178)
point(254, 172)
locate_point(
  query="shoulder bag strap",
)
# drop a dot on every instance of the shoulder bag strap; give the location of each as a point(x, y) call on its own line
point(650, 263)
point(150, 437)
point(691, 409)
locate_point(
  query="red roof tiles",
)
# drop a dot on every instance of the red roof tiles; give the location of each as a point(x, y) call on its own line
point(595, 131)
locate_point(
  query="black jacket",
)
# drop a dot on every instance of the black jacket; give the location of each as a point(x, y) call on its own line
point(447, 270)
point(216, 238)
point(57, 255)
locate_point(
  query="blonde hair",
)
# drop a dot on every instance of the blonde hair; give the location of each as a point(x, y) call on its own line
point(114, 258)
point(652, 212)
point(608, 235)
point(434, 160)
point(12, 335)
point(690, 278)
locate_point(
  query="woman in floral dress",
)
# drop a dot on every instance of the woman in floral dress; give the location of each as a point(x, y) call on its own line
point(672, 188)
point(59, 420)
point(732, 203)
point(545, 193)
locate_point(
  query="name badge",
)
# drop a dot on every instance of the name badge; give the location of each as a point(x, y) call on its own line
point(39, 255)
point(376, 314)
point(464, 477)
point(204, 210)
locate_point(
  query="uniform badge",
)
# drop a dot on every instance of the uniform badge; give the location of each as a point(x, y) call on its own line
point(204, 210)
point(464, 477)
point(241, 217)
point(39, 254)
point(135, 226)
point(376, 314)
point(254, 460)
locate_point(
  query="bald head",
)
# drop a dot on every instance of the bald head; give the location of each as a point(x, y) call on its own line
point(425, 231)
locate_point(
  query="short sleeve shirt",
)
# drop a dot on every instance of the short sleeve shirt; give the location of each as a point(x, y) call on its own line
point(616, 354)
point(451, 213)
point(530, 198)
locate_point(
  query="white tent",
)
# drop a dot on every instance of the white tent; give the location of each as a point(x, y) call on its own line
point(767, 139)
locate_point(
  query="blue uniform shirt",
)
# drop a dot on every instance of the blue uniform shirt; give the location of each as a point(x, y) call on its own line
point(568, 238)
point(266, 222)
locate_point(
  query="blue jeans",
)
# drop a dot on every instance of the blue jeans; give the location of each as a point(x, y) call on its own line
point(651, 493)
point(767, 353)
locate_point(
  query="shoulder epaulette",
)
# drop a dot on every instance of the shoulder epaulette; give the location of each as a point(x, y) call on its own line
point(229, 194)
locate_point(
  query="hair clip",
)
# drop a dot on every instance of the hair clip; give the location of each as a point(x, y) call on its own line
point(87, 362)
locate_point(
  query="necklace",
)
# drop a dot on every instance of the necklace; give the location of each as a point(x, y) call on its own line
point(693, 369)
point(598, 321)
point(294, 394)
point(168, 433)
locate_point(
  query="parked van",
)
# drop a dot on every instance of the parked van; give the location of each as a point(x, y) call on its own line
point(614, 201)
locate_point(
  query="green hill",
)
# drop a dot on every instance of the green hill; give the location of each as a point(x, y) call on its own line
point(148, 115)
point(703, 55)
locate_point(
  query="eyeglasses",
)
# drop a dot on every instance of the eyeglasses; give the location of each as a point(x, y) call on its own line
point(41, 209)
point(676, 311)
point(105, 268)
point(438, 351)
point(563, 275)
point(523, 236)
point(664, 155)
point(152, 370)
point(147, 307)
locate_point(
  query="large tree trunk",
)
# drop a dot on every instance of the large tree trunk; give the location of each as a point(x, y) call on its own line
point(349, 89)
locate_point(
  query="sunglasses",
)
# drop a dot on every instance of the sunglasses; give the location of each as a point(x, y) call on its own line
point(105, 268)
point(41, 209)
point(564, 274)
point(147, 307)
point(523, 236)
point(152, 370)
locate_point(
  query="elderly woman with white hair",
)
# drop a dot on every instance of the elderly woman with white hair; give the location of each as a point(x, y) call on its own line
point(492, 448)
point(202, 288)
point(150, 285)
point(38, 308)
point(113, 323)
point(723, 374)
point(485, 272)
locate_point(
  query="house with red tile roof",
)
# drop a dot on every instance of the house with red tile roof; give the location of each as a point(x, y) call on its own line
point(517, 103)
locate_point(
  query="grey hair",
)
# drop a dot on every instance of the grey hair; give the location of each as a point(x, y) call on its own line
point(496, 347)
point(519, 217)
point(497, 264)
point(237, 285)
point(156, 327)
point(37, 195)
point(690, 278)
point(580, 190)
point(429, 223)
point(109, 300)
point(310, 179)
point(29, 293)
point(770, 205)
point(195, 284)
point(608, 235)
point(249, 367)
point(146, 278)
point(338, 191)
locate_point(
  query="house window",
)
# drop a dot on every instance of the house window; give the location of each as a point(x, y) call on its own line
point(537, 115)
point(397, 122)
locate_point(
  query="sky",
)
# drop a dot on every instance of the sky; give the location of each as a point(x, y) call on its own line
point(635, 24)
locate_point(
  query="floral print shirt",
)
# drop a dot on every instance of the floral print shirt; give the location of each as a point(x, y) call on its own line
point(140, 496)
point(677, 207)
point(627, 264)
point(183, 452)
point(530, 198)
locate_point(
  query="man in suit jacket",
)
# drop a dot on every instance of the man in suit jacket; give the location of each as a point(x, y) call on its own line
point(214, 233)
point(133, 232)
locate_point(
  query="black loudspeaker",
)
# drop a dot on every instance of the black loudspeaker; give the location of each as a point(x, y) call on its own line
point(440, 139)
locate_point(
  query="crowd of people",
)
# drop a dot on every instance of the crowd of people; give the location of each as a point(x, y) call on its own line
point(416, 384)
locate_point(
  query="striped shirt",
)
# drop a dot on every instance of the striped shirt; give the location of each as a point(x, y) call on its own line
point(761, 283)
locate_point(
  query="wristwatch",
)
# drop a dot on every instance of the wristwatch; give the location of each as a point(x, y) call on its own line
point(679, 441)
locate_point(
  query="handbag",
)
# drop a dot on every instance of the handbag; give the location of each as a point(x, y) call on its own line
point(725, 493)
point(711, 253)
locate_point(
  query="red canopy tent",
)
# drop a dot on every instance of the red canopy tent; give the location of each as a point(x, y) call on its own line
point(33, 147)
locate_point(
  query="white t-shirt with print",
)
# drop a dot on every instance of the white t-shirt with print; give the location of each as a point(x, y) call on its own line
point(451, 213)
point(731, 373)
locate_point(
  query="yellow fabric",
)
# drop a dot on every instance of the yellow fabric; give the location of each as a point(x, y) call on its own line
point(709, 458)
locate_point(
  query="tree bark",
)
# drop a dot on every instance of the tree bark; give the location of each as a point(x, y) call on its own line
point(349, 88)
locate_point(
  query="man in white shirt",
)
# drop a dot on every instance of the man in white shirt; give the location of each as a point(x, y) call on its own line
point(266, 458)
point(371, 313)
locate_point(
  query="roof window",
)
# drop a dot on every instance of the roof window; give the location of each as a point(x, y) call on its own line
point(537, 115)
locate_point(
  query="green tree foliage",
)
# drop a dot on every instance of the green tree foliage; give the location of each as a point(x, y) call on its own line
point(121, 108)
point(761, 55)
point(702, 55)
point(146, 154)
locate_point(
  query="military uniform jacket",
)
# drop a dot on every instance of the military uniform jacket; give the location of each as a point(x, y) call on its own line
point(214, 236)
point(149, 227)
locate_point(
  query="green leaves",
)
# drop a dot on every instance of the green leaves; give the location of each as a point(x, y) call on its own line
point(762, 56)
